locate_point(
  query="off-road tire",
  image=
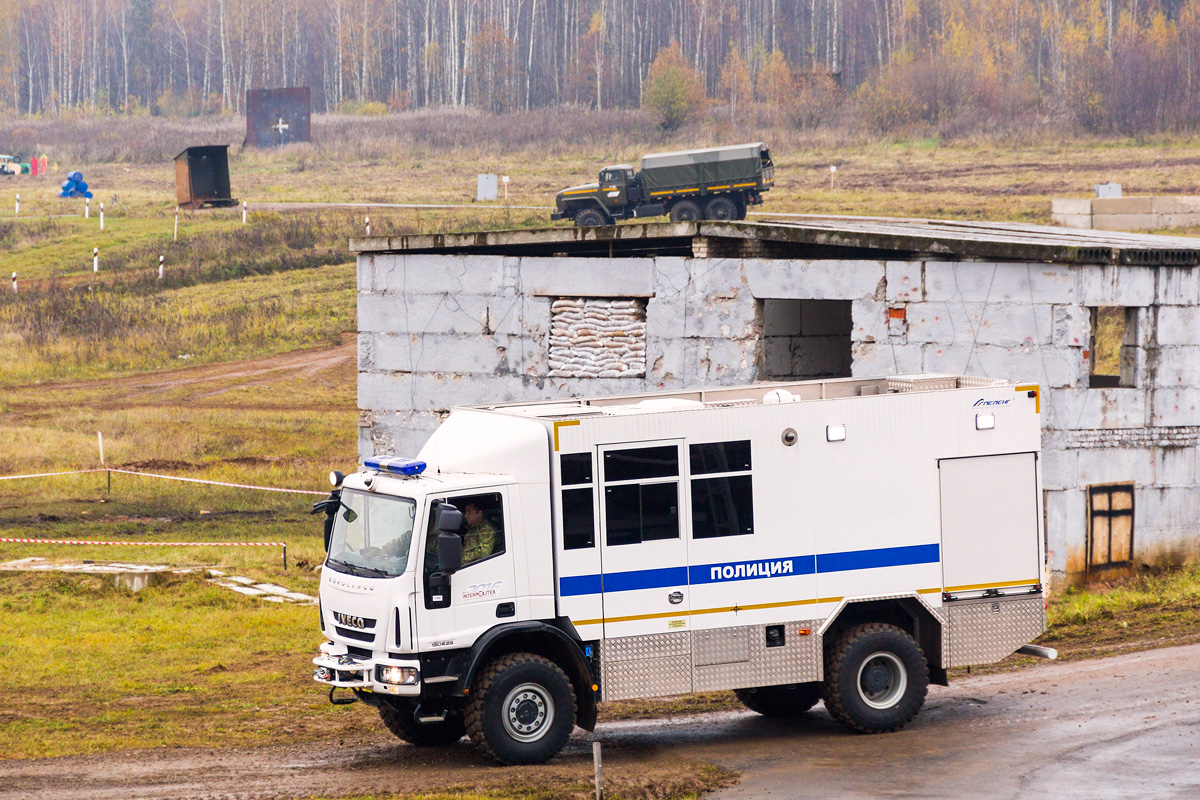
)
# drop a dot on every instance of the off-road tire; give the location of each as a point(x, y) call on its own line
point(781, 701)
point(686, 211)
point(899, 669)
point(498, 691)
point(400, 721)
point(591, 218)
point(722, 209)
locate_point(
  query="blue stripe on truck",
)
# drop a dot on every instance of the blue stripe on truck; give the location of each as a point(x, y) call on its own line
point(576, 585)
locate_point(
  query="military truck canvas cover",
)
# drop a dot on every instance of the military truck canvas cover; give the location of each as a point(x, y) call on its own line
point(740, 163)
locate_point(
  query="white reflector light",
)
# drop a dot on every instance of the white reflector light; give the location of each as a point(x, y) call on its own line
point(835, 433)
point(985, 422)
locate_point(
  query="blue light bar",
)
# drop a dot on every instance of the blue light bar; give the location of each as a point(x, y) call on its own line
point(394, 465)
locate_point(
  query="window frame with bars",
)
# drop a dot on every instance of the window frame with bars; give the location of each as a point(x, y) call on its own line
point(1108, 514)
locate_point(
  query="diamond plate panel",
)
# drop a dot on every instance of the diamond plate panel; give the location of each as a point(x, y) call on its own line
point(985, 631)
point(646, 666)
point(721, 646)
point(798, 661)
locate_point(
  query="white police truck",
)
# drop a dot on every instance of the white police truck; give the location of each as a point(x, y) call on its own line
point(842, 540)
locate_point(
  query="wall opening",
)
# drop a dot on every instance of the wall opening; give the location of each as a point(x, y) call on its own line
point(1114, 347)
point(804, 339)
point(597, 337)
point(1110, 526)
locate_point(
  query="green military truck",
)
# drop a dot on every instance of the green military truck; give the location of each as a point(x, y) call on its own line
point(713, 183)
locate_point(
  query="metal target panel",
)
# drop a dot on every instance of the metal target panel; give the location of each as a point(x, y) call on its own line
point(276, 117)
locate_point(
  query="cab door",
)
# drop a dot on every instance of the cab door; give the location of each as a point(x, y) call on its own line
point(482, 593)
point(642, 552)
point(612, 188)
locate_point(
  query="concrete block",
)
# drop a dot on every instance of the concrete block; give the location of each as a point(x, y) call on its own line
point(725, 361)
point(366, 352)
point(1083, 221)
point(585, 277)
point(1178, 367)
point(904, 281)
point(1113, 285)
point(1124, 206)
point(869, 321)
point(727, 312)
point(1117, 465)
point(1164, 204)
point(814, 280)
point(1060, 469)
point(872, 359)
point(1042, 366)
point(665, 362)
point(1089, 409)
point(449, 313)
point(1177, 466)
point(1071, 205)
point(1166, 528)
point(1189, 220)
point(1009, 324)
point(477, 353)
point(978, 281)
point(1072, 326)
point(364, 269)
point(1178, 286)
point(400, 273)
point(1175, 407)
point(431, 391)
point(1178, 325)
point(1125, 222)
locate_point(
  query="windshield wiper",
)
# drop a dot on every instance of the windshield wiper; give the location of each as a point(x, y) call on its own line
point(360, 569)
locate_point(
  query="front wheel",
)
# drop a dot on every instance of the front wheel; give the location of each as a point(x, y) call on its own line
point(876, 678)
point(591, 218)
point(402, 722)
point(522, 709)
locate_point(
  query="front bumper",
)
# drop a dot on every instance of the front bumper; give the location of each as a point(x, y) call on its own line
point(558, 215)
point(339, 669)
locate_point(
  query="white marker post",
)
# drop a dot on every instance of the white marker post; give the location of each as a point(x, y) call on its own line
point(368, 226)
point(87, 208)
point(832, 172)
point(102, 216)
point(243, 212)
point(504, 180)
point(599, 770)
point(176, 237)
point(14, 283)
point(160, 266)
point(18, 205)
point(95, 259)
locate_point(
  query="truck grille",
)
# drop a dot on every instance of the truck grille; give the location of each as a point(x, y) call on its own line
point(349, 633)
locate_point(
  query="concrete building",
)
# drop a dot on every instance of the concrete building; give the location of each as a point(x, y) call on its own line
point(1107, 324)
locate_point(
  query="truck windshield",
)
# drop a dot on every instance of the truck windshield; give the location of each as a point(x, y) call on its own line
point(372, 535)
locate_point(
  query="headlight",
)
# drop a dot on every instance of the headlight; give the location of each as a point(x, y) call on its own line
point(400, 676)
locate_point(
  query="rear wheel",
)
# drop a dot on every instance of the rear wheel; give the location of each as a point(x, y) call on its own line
point(685, 211)
point(876, 678)
point(590, 218)
point(721, 208)
point(402, 722)
point(522, 709)
point(781, 701)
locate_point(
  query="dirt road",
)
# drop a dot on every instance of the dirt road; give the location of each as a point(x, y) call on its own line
point(1121, 727)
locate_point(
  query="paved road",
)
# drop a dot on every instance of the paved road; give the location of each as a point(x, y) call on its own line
point(1124, 727)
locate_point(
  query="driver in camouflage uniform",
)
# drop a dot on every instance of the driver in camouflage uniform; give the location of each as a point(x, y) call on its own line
point(479, 539)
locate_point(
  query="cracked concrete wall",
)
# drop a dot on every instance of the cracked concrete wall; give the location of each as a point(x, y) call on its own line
point(437, 331)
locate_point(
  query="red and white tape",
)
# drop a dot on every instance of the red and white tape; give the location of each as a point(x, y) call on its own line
point(153, 544)
point(165, 478)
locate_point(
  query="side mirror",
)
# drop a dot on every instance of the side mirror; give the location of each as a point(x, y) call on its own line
point(449, 552)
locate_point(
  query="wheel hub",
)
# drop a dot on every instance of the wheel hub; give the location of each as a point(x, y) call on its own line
point(882, 680)
point(528, 712)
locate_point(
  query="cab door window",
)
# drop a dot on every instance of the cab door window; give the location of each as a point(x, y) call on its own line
point(482, 535)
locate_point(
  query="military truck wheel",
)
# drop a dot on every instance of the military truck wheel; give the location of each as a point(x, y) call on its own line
point(685, 211)
point(781, 701)
point(590, 218)
point(876, 678)
point(722, 209)
point(741, 208)
point(522, 709)
point(400, 720)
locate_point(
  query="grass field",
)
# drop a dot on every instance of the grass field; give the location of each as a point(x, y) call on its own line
point(239, 366)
